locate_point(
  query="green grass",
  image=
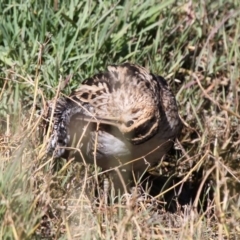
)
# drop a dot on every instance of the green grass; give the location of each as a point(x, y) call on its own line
point(194, 45)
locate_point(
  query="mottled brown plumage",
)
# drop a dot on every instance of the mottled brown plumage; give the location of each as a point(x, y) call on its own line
point(120, 115)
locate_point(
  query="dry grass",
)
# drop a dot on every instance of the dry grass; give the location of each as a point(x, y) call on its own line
point(194, 45)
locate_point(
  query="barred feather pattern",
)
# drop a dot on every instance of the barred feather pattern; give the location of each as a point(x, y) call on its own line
point(60, 137)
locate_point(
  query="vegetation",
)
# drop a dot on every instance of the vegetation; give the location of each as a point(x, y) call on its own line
point(48, 47)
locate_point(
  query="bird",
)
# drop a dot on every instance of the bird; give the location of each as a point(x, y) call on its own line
point(124, 118)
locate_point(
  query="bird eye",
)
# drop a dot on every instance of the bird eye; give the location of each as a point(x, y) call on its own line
point(129, 123)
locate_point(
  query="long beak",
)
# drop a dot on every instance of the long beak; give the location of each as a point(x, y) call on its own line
point(113, 121)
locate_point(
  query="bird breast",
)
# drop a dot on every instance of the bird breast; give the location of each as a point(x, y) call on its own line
point(111, 149)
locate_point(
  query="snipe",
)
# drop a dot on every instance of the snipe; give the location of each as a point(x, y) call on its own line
point(125, 117)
